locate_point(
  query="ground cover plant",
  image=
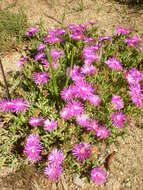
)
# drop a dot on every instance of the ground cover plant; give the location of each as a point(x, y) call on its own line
point(12, 29)
point(75, 90)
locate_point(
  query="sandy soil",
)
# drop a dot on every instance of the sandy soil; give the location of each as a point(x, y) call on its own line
point(126, 171)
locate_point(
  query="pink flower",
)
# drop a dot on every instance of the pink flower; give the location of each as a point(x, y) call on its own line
point(88, 69)
point(83, 120)
point(36, 121)
point(33, 147)
point(114, 64)
point(40, 77)
point(19, 104)
point(94, 125)
point(53, 171)
point(94, 100)
point(133, 76)
point(65, 113)
point(82, 151)
point(6, 105)
point(136, 94)
point(68, 93)
point(98, 175)
point(75, 108)
point(50, 125)
point(39, 56)
point(102, 132)
point(117, 102)
point(41, 47)
point(56, 157)
point(121, 30)
point(133, 41)
point(118, 119)
point(21, 61)
point(31, 31)
point(84, 89)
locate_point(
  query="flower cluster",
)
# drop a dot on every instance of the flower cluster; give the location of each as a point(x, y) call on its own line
point(54, 169)
point(33, 148)
point(134, 77)
point(14, 105)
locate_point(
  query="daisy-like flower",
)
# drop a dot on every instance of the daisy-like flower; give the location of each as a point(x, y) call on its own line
point(56, 157)
point(40, 77)
point(41, 47)
point(19, 104)
point(83, 120)
point(121, 30)
point(36, 121)
point(21, 61)
point(50, 125)
point(90, 54)
point(93, 126)
point(31, 31)
point(33, 148)
point(94, 100)
point(136, 94)
point(82, 151)
point(98, 175)
point(75, 74)
point(133, 41)
point(65, 113)
point(84, 89)
point(102, 38)
point(75, 108)
point(68, 93)
point(53, 171)
point(117, 102)
point(88, 69)
point(118, 119)
point(56, 54)
point(133, 76)
point(102, 132)
point(114, 64)
point(39, 56)
point(6, 105)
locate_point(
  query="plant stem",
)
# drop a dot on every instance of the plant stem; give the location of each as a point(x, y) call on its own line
point(52, 73)
point(4, 79)
point(71, 64)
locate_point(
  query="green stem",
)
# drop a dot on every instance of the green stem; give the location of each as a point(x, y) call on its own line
point(55, 87)
point(71, 65)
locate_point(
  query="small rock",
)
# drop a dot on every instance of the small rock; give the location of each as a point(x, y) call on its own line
point(78, 181)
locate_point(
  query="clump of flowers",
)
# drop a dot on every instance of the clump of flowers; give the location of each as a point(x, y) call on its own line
point(75, 90)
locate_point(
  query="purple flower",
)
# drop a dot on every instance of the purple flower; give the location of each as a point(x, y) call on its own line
point(56, 54)
point(67, 93)
point(121, 30)
point(31, 31)
point(82, 151)
point(118, 119)
point(75, 108)
point(102, 38)
point(84, 89)
point(56, 157)
point(19, 104)
point(33, 147)
point(89, 40)
point(93, 126)
point(39, 56)
point(133, 76)
point(65, 113)
point(83, 120)
point(98, 175)
point(102, 132)
point(75, 74)
point(133, 41)
point(50, 125)
point(21, 61)
point(117, 102)
point(36, 121)
point(94, 100)
point(6, 105)
point(53, 171)
point(41, 47)
point(114, 64)
point(90, 54)
point(40, 77)
point(136, 94)
point(88, 69)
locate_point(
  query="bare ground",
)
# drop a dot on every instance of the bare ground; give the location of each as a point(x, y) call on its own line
point(126, 171)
